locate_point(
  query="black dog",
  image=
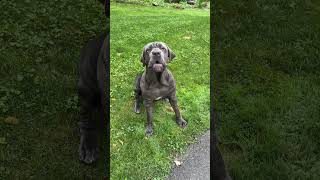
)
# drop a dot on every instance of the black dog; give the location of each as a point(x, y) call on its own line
point(92, 89)
point(156, 82)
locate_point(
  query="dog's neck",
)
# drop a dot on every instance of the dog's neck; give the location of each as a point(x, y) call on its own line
point(155, 77)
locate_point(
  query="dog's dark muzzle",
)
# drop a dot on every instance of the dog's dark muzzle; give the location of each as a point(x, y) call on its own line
point(157, 64)
point(158, 67)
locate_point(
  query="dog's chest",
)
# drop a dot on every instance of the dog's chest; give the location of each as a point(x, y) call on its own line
point(157, 92)
point(153, 88)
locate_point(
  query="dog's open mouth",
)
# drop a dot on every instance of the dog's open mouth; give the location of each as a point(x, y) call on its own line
point(157, 67)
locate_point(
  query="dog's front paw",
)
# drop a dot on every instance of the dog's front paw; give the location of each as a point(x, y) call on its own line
point(88, 148)
point(88, 156)
point(149, 131)
point(181, 122)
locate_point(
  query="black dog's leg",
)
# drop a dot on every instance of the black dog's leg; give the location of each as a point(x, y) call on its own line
point(138, 96)
point(174, 104)
point(218, 170)
point(88, 148)
point(149, 107)
point(89, 94)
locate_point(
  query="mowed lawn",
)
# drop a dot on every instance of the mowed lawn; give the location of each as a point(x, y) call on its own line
point(187, 33)
point(39, 53)
point(267, 88)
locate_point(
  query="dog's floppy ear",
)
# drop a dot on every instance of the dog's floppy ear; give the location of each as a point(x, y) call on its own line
point(171, 54)
point(143, 60)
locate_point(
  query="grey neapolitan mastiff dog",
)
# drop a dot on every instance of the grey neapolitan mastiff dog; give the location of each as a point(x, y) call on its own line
point(92, 90)
point(156, 82)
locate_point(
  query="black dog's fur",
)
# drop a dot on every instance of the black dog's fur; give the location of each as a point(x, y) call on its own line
point(92, 89)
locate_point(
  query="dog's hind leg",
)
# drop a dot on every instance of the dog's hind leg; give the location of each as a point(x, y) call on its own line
point(88, 96)
point(88, 148)
point(138, 96)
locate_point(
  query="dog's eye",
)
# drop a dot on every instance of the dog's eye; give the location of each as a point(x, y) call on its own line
point(163, 48)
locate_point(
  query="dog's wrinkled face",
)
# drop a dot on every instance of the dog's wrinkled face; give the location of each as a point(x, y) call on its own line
point(156, 55)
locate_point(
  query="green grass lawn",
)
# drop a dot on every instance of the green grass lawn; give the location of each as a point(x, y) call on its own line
point(187, 33)
point(39, 52)
point(267, 88)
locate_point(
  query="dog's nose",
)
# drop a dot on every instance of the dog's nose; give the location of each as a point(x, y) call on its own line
point(156, 53)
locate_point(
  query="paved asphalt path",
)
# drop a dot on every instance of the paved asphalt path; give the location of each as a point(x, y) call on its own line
point(195, 162)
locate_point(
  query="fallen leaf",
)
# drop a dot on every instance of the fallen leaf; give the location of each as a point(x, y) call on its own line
point(177, 162)
point(11, 120)
point(121, 142)
point(169, 109)
point(3, 140)
point(186, 37)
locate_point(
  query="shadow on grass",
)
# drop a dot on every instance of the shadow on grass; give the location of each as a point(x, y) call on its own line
point(40, 49)
point(267, 88)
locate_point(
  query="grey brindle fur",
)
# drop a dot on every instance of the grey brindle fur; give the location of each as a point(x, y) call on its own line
point(156, 82)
